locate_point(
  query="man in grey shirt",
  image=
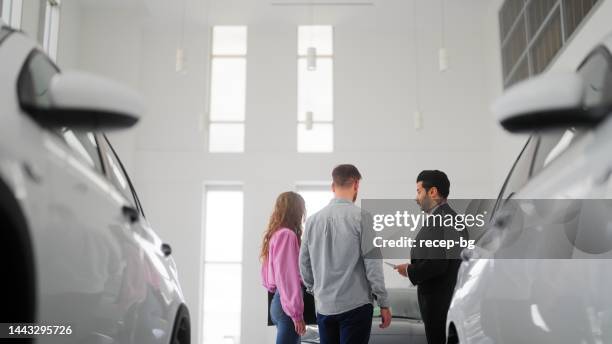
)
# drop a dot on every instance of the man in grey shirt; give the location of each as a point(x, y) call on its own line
point(334, 269)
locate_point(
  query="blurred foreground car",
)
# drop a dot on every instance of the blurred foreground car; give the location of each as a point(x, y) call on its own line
point(406, 326)
point(77, 252)
point(555, 286)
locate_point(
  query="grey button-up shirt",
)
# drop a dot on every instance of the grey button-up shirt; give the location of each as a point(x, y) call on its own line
point(332, 263)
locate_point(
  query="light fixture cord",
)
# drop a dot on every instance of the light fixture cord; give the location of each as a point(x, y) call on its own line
point(443, 23)
point(312, 22)
point(182, 39)
point(416, 57)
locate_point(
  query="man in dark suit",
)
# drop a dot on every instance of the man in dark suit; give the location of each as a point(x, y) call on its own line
point(434, 269)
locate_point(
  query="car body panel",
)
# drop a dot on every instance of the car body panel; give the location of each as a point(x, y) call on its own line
point(95, 270)
point(406, 325)
point(560, 300)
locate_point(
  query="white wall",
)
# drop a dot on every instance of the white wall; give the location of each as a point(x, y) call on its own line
point(505, 147)
point(68, 36)
point(374, 101)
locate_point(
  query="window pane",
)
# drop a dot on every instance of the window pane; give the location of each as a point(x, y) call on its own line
point(223, 226)
point(85, 146)
point(226, 137)
point(11, 12)
point(520, 73)
point(229, 40)
point(315, 90)
point(2, 12)
point(537, 11)
point(514, 47)
point(508, 14)
point(320, 37)
point(318, 139)
point(552, 145)
point(222, 298)
point(575, 11)
point(228, 84)
point(547, 44)
point(316, 199)
point(519, 175)
point(118, 176)
point(50, 27)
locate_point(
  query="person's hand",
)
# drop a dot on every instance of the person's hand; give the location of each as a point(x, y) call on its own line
point(300, 327)
point(402, 269)
point(385, 315)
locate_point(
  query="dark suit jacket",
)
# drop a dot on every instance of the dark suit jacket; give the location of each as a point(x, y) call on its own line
point(430, 269)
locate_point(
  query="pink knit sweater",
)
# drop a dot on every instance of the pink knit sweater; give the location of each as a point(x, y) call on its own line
point(281, 271)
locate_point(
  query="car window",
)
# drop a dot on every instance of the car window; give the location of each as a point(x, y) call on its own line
point(118, 177)
point(5, 31)
point(597, 76)
point(551, 145)
point(84, 146)
point(519, 176)
point(520, 172)
point(34, 81)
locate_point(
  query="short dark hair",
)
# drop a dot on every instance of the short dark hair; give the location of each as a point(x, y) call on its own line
point(345, 175)
point(431, 178)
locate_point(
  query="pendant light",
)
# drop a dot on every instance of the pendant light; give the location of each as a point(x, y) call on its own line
point(311, 52)
point(180, 51)
point(443, 53)
point(309, 119)
point(311, 58)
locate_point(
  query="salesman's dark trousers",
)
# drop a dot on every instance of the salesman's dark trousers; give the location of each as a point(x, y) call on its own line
point(434, 308)
point(352, 327)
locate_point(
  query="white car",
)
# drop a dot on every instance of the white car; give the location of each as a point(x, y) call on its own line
point(555, 285)
point(79, 258)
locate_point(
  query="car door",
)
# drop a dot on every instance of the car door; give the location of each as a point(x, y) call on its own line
point(475, 294)
point(78, 251)
point(84, 259)
point(580, 174)
point(150, 293)
point(558, 276)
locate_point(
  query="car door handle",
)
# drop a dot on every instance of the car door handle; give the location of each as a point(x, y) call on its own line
point(130, 213)
point(166, 249)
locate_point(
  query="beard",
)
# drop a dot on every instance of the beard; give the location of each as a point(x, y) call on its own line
point(425, 204)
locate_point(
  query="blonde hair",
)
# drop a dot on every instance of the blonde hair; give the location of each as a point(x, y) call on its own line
point(289, 212)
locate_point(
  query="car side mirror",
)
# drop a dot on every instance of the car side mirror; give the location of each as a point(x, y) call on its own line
point(88, 102)
point(547, 101)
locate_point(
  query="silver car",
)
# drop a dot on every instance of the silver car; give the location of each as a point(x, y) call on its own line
point(406, 325)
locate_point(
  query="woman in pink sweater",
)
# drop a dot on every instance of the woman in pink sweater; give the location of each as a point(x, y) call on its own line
point(280, 273)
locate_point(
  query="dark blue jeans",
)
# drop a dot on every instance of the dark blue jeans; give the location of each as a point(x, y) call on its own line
point(352, 327)
point(285, 330)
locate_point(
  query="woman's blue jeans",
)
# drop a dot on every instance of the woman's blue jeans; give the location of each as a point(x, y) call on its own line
point(285, 330)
